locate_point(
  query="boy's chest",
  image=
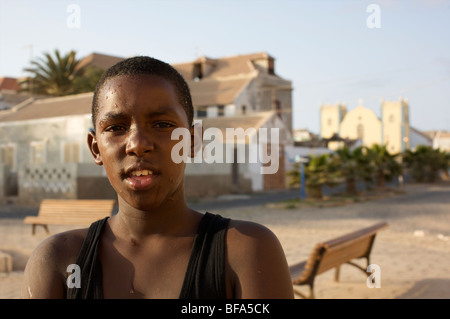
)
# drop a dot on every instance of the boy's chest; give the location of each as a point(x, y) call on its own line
point(155, 272)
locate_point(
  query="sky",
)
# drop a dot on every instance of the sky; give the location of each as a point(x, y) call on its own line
point(332, 50)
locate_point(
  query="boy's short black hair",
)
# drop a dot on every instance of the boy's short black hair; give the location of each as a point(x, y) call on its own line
point(144, 65)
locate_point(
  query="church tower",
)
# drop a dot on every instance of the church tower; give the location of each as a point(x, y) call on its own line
point(395, 129)
point(330, 119)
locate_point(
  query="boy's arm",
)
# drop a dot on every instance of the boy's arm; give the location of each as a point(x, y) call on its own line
point(258, 262)
point(44, 275)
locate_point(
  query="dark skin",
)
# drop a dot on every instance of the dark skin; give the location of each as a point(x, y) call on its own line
point(145, 248)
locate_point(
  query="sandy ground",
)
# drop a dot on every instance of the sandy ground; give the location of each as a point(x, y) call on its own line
point(413, 253)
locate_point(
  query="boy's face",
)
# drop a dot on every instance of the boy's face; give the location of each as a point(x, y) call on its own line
point(132, 139)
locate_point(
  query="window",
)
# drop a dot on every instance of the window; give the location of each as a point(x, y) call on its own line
point(201, 113)
point(391, 118)
point(220, 110)
point(71, 152)
point(38, 152)
point(329, 122)
point(278, 107)
point(8, 155)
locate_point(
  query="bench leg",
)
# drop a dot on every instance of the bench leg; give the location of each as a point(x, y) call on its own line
point(311, 292)
point(336, 273)
point(33, 228)
point(338, 269)
point(302, 295)
point(357, 266)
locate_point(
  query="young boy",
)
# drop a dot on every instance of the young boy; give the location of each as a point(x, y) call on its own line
point(155, 246)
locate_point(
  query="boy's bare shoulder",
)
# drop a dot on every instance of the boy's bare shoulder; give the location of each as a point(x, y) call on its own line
point(249, 233)
point(46, 269)
point(63, 246)
point(257, 262)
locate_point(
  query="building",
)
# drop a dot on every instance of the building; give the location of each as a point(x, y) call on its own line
point(9, 93)
point(440, 139)
point(238, 85)
point(392, 128)
point(238, 169)
point(44, 154)
point(419, 138)
point(99, 61)
point(9, 84)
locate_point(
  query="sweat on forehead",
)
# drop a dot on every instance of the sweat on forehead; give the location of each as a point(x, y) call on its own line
point(143, 65)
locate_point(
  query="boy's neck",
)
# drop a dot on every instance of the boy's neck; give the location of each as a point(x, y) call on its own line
point(171, 220)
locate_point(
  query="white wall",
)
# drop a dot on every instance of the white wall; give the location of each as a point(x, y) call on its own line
point(370, 122)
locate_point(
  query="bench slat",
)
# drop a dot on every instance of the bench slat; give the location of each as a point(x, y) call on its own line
point(71, 212)
point(368, 231)
point(340, 256)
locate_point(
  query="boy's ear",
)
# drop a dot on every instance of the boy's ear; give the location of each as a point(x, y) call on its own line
point(196, 139)
point(93, 147)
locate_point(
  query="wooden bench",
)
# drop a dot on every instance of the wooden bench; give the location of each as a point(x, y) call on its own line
point(70, 212)
point(332, 254)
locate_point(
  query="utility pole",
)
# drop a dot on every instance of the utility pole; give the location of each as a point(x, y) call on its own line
point(302, 181)
point(302, 161)
point(30, 83)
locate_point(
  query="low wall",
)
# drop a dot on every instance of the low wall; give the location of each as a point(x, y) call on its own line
point(37, 182)
point(62, 181)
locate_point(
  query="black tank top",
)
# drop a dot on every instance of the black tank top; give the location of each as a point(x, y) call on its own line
point(205, 274)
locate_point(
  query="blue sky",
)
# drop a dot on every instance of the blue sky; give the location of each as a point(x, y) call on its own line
point(323, 46)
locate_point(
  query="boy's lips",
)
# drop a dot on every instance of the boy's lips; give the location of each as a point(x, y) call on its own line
point(140, 178)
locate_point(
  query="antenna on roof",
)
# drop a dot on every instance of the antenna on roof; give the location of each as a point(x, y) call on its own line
point(196, 52)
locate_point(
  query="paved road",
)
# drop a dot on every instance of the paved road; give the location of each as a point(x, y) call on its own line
point(221, 202)
point(234, 201)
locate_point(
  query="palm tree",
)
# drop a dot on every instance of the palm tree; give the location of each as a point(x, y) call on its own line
point(354, 166)
point(319, 171)
point(384, 163)
point(424, 163)
point(445, 164)
point(87, 78)
point(53, 75)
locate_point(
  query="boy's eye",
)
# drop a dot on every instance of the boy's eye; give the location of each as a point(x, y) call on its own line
point(163, 125)
point(115, 128)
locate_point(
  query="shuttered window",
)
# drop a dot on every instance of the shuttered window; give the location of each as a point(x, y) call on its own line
point(38, 152)
point(8, 155)
point(71, 152)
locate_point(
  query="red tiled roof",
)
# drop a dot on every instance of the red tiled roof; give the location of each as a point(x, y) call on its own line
point(222, 67)
point(222, 79)
point(99, 60)
point(9, 84)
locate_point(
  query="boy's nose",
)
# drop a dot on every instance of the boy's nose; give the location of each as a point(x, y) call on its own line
point(139, 142)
